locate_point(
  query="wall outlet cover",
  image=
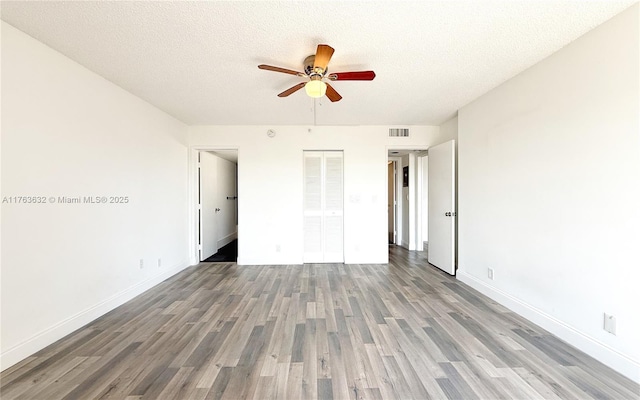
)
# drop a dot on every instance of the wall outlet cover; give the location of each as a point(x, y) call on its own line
point(609, 323)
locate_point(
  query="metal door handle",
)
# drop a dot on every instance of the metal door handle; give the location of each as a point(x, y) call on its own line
point(217, 209)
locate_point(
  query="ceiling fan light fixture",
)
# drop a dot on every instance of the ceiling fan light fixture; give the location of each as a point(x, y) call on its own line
point(315, 88)
point(315, 68)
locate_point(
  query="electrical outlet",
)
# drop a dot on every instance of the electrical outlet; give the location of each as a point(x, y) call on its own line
point(159, 262)
point(609, 323)
point(490, 273)
point(141, 263)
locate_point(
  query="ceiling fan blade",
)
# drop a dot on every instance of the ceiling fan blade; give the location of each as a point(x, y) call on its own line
point(352, 76)
point(332, 94)
point(278, 69)
point(292, 89)
point(323, 55)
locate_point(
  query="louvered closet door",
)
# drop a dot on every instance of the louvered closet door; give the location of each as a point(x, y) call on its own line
point(313, 249)
point(323, 204)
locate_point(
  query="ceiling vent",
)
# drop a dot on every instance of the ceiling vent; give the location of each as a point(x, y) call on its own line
point(398, 132)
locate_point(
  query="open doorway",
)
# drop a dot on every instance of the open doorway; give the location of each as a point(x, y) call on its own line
point(406, 197)
point(425, 209)
point(217, 199)
point(391, 201)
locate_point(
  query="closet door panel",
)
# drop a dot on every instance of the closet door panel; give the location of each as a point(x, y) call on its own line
point(323, 207)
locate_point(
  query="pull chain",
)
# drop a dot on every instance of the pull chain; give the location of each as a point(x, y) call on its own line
point(314, 112)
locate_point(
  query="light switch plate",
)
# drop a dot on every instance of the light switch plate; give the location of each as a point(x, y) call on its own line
point(609, 323)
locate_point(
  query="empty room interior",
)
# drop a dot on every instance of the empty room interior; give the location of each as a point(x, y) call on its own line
point(320, 200)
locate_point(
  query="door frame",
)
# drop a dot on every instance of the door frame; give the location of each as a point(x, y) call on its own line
point(194, 195)
point(397, 195)
point(422, 191)
point(394, 208)
point(412, 202)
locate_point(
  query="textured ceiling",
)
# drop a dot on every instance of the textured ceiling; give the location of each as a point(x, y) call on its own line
point(198, 60)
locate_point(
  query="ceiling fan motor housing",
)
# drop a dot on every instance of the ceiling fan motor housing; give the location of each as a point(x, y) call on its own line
point(308, 67)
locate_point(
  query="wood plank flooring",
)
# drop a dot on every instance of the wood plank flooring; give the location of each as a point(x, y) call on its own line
point(403, 330)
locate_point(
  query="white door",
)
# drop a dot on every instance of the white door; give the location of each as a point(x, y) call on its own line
point(208, 205)
point(226, 190)
point(441, 204)
point(323, 207)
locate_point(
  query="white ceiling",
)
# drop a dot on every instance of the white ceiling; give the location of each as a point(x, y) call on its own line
point(198, 60)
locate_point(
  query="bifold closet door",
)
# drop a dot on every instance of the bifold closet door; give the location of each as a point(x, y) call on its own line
point(323, 207)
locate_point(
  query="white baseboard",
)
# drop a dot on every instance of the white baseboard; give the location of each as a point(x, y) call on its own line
point(50, 335)
point(227, 239)
point(596, 349)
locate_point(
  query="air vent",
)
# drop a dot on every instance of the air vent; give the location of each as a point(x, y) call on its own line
point(398, 132)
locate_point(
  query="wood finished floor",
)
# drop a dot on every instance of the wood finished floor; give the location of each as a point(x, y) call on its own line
point(398, 331)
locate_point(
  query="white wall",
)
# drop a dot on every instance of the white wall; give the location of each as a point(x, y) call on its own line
point(68, 132)
point(549, 186)
point(449, 128)
point(270, 185)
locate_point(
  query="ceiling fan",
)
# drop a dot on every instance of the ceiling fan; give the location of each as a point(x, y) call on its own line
point(315, 68)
